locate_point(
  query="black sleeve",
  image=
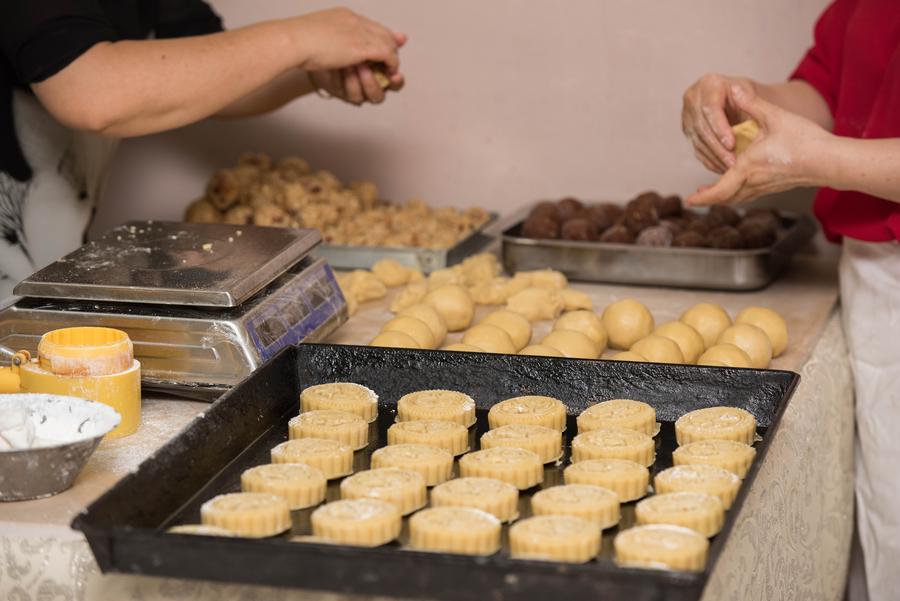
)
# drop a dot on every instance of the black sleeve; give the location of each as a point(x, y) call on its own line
point(40, 38)
point(180, 18)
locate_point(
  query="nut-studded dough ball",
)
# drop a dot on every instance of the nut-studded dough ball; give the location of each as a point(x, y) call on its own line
point(769, 322)
point(271, 215)
point(202, 211)
point(431, 317)
point(658, 349)
point(454, 304)
point(394, 339)
point(725, 354)
point(687, 338)
point(239, 215)
point(518, 328)
point(489, 338)
point(751, 340)
point(586, 322)
point(540, 350)
point(709, 319)
point(417, 329)
point(627, 321)
point(571, 344)
point(223, 189)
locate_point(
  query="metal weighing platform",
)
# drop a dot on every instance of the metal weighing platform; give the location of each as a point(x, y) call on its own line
point(204, 304)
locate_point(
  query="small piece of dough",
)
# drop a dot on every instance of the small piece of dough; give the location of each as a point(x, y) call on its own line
point(658, 349)
point(499, 498)
point(687, 338)
point(731, 455)
point(554, 538)
point(628, 479)
point(538, 410)
point(405, 488)
point(698, 477)
point(414, 327)
point(394, 339)
point(626, 321)
point(363, 285)
point(597, 505)
point(357, 522)
point(619, 413)
point(391, 273)
point(614, 443)
point(431, 318)
point(629, 356)
point(452, 436)
point(409, 296)
point(301, 485)
point(769, 322)
point(546, 278)
point(345, 427)
point(449, 276)
point(536, 304)
point(721, 423)
point(489, 338)
point(514, 324)
point(661, 546)
point(433, 463)
point(709, 319)
point(454, 304)
point(331, 457)
point(745, 133)
point(447, 405)
point(521, 468)
point(480, 268)
point(462, 348)
point(250, 514)
point(751, 340)
point(546, 442)
point(575, 300)
point(586, 322)
point(540, 350)
point(341, 396)
point(493, 292)
point(695, 510)
point(725, 354)
point(572, 344)
point(462, 530)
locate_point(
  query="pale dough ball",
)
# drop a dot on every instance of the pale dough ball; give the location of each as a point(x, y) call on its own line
point(417, 329)
point(518, 328)
point(431, 318)
point(391, 273)
point(572, 344)
point(363, 285)
point(576, 300)
point(536, 303)
point(491, 339)
point(658, 349)
point(687, 338)
point(445, 277)
point(627, 321)
point(752, 341)
point(769, 322)
point(709, 320)
point(394, 340)
point(409, 296)
point(493, 292)
point(586, 322)
point(540, 350)
point(546, 278)
point(725, 354)
point(480, 269)
point(462, 348)
point(628, 356)
point(454, 304)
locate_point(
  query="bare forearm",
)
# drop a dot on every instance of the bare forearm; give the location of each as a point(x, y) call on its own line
point(868, 166)
point(275, 94)
point(798, 97)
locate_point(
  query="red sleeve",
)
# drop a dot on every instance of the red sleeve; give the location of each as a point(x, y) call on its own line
point(821, 67)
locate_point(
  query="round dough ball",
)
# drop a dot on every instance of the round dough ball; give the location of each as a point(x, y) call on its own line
point(586, 322)
point(687, 338)
point(725, 354)
point(491, 339)
point(769, 322)
point(572, 344)
point(202, 211)
point(540, 350)
point(752, 341)
point(536, 303)
point(454, 304)
point(709, 320)
point(417, 329)
point(391, 273)
point(627, 321)
point(431, 318)
point(394, 339)
point(518, 328)
point(628, 356)
point(462, 348)
point(658, 349)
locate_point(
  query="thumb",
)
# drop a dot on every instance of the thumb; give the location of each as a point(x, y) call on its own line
point(751, 104)
point(721, 192)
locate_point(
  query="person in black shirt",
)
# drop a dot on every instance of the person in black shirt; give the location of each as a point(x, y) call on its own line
point(77, 74)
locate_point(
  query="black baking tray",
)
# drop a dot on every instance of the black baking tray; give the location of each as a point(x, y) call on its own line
point(126, 526)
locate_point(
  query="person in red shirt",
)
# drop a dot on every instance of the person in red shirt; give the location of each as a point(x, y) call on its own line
point(835, 125)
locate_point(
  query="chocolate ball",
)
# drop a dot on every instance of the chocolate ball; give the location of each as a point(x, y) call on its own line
point(640, 214)
point(603, 216)
point(618, 234)
point(690, 239)
point(757, 233)
point(545, 209)
point(675, 225)
point(542, 228)
point(657, 235)
point(726, 238)
point(701, 226)
point(720, 215)
point(568, 208)
point(762, 211)
point(648, 196)
point(767, 219)
point(669, 206)
point(579, 228)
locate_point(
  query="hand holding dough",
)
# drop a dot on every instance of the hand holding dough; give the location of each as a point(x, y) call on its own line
point(744, 135)
point(769, 322)
point(709, 320)
point(627, 321)
point(454, 304)
point(536, 303)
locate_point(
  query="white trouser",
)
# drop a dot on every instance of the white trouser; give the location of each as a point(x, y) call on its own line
point(870, 296)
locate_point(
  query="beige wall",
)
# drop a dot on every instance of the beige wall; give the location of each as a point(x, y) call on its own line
point(507, 101)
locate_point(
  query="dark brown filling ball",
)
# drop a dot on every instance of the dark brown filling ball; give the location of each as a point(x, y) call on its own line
point(649, 196)
point(756, 211)
point(701, 226)
point(640, 215)
point(725, 237)
point(670, 206)
point(579, 228)
point(545, 209)
point(569, 208)
point(657, 235)
point(618, 234)
point(757, 233)
point(690, 239)
point(767, 219)
point(720, 215)
point(542, 228)
point(603, 216)
point(675, 225)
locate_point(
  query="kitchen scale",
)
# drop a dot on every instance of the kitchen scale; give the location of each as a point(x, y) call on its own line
point(204, 304)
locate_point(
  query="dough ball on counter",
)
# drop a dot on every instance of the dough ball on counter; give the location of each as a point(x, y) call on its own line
point(514, 324)
point(586, 322)
point(540, 350)
point(725, 354)
point(536, 303)
point(411, 295)
point(687, 338)
point(725, 237)
point(417, 329)
point(481, 268)
point(580, 229)
point(391, 273)
point(658, 349)
point(544, 278)
point(657, 235)
point(629, 356)
point(432, 319)
point(751, 340)
point(603, 216)
point(202, 211)
point(769, 322)
point(575, 300)
point(394, 339)
point(454, 304)
point(571, 344)
point(489, 338)
point(569, 208)
point(709, 319)
point(362, 284)
point(462, 348)
point(720, 215)
point(617, 234)
point(542, 228)
point(690, 239)
point(627, 321)
point(494, 292)
point(445, 277)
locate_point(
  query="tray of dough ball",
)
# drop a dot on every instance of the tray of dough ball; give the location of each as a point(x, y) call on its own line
point(463, 476)
point(654, 240)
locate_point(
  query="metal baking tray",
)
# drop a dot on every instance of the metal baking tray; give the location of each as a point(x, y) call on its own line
point(424, 259)
point(126, 526)
point(703, 268)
